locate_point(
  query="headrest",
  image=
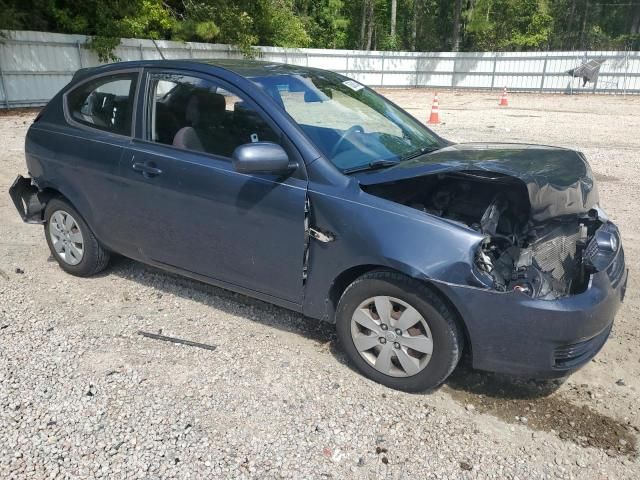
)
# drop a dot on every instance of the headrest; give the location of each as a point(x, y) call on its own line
point(204, 105)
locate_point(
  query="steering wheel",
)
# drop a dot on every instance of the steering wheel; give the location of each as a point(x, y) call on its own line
point(350, 131)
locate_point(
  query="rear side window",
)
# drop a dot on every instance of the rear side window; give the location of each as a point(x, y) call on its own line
point(105, 103)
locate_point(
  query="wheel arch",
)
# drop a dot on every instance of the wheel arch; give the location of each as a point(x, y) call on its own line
point(49, 192)
point(436, 289)
point(348, 276)
point(340, 284)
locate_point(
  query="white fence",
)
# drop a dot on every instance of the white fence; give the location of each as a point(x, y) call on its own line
point(35, 65)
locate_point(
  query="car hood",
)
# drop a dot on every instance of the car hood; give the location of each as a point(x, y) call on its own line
point(559, 181)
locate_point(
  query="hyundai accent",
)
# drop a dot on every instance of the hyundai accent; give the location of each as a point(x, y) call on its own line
point(306, 189)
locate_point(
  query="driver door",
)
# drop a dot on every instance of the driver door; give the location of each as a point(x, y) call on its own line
point(189, 209)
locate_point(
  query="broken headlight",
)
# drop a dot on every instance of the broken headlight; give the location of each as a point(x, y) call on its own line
point(602, 248)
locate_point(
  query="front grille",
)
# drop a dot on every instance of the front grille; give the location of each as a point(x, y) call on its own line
point(567, 357)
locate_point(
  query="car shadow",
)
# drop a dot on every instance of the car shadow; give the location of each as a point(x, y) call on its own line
point(226, 301)
point(464, 379)
point(492, 385)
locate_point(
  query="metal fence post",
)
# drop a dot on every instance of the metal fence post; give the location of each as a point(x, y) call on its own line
point(79, 52)
point(382, 74)
point(571, 81)
point(544, 71)
point(595, 80)
point(141, 52)
point(493, 74)
point(453, 74)
point(4, 88)
point(626, 69)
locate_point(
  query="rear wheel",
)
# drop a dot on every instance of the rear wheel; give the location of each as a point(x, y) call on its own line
point(71, 242)
point(398, 332)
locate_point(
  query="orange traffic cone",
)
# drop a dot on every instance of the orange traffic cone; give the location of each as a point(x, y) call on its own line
point(434, 118)
point(503, 99)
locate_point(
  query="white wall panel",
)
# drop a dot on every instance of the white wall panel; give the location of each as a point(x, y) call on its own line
point(35, 65)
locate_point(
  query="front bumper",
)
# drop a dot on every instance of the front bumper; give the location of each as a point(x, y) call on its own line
point(515, 334)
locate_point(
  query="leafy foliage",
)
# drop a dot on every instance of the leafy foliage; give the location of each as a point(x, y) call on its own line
point(510, 25)
point(419, 24)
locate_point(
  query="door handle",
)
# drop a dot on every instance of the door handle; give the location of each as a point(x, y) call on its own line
point(148, 169)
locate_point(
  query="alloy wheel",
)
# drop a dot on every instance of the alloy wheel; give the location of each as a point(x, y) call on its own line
point(66, 237)
point(392, 336)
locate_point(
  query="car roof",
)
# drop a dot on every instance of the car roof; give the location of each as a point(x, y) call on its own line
point(242, 67)
point(258, 68)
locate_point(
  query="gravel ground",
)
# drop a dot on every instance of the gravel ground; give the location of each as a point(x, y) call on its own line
point(82, 395)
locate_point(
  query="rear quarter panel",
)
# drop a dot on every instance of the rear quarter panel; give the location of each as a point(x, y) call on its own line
point(79, 163)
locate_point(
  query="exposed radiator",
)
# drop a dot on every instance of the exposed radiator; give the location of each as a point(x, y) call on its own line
point(555, 252)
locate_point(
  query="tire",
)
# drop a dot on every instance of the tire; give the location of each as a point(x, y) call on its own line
point(436, 322)
point(81, 255)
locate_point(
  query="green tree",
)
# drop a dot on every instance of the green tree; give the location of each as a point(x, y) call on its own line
point(509, 24)
point(417, 25)
point(326, 22)
point(276, 25)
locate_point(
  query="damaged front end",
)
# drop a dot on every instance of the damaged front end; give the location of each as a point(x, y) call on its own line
point(522, 250)
point(547, 261)
point(533, 242)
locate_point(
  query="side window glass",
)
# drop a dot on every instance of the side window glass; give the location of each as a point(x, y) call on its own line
point(105, 103)
point(196, 114)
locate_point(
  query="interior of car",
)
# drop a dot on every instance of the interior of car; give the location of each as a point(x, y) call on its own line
point(205, 118)
point(106, 106)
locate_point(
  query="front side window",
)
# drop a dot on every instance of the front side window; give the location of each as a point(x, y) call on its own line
point(350, 124)
point(196, 114)
point(105, 103)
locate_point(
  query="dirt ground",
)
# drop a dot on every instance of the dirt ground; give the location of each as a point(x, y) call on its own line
point(83, 395)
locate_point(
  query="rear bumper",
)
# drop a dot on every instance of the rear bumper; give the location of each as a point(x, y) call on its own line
point(26, 198)
point(515, 334)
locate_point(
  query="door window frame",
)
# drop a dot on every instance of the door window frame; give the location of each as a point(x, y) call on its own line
point(144, 132)
point(134, 103)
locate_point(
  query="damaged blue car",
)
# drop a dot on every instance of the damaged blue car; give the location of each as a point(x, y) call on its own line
point(308, 190)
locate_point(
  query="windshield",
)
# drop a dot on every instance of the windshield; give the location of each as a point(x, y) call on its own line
point(351, 125)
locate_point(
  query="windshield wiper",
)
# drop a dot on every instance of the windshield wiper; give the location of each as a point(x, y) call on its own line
point(386, 162)
point(381, 162)
point(374, 164)
point(420, 151)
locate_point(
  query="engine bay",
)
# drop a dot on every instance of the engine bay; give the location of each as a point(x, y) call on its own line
point(543, 260)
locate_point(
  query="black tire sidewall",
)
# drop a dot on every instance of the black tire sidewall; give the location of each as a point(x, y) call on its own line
point(447, 340)
point(89, 260)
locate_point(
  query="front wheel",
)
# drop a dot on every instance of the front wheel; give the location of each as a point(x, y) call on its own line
point(398, 332)
point(71, 242)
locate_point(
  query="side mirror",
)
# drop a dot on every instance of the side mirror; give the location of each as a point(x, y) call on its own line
point(261, 157)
